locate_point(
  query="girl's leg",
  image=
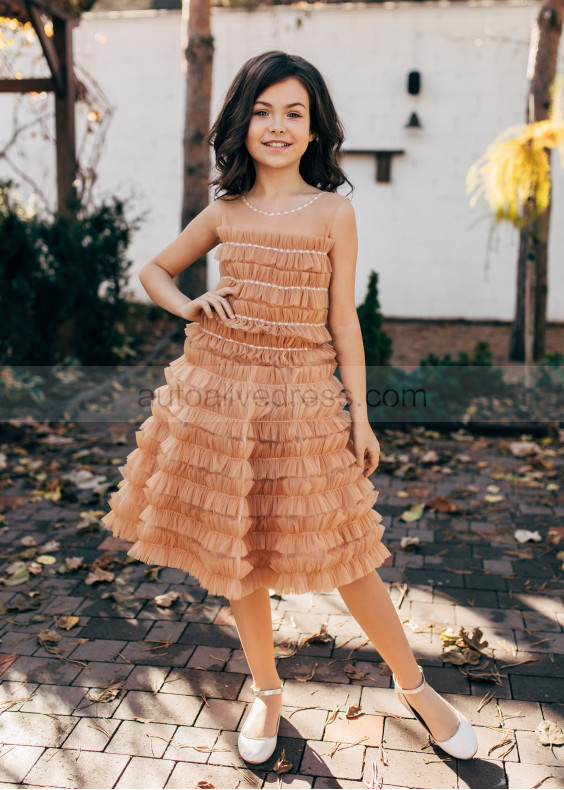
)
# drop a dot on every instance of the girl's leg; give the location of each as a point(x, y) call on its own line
point(370, 604)
point(254, 623)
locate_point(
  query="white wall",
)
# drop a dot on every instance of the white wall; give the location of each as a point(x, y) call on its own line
point(418, 232)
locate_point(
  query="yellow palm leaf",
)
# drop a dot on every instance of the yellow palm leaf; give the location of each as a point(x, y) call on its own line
point(514, 173)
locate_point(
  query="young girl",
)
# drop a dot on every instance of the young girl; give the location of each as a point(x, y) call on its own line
point(250, 474)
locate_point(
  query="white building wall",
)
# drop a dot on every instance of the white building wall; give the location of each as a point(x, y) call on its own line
point(433, 254)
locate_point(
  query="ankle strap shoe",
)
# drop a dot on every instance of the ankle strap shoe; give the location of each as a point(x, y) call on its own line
point(258, 750)
point(463, 744)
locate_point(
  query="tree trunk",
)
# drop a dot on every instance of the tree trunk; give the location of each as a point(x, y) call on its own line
point(533, 239)
point(195, 188)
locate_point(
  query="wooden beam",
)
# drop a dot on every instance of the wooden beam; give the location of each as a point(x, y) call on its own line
point(47, 46)
point(71, 11)
point(54, 8)
point(383, 160)
point(374, 151)
point(58, 52)
point(33, 84)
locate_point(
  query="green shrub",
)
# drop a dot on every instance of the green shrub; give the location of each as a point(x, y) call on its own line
point(438, 390)
point(62, 284)
point(481, 355)
point(377, 344)
point(549, 373)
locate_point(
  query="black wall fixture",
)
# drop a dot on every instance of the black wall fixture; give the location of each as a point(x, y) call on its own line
point(414, 122)
point(414, 82)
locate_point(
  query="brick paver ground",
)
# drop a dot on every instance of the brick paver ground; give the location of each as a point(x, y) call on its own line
point(139, 696)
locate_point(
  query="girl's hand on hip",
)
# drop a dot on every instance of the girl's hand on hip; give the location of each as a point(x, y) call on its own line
point(366, 447)
point(211, 299)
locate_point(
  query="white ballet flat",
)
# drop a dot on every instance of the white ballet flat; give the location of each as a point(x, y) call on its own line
point(463, 744)
point(257, 750)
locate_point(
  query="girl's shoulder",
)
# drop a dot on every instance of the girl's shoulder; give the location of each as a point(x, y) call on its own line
point(334, 201)
point(338, 197)
point(337, 203)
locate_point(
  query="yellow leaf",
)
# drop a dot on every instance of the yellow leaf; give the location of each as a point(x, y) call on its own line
point(414, 513)
point(46, 559)
point(67, 622)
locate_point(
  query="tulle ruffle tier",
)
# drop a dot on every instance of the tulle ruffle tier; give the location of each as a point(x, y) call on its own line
point(244, 475)
point(284, 284)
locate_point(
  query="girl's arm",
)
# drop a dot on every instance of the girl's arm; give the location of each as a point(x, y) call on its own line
point(197, 238)
point(344, 327)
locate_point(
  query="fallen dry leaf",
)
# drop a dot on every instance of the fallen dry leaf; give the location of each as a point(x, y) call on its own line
point(455, 655)
point(320, 636)
point(353, 673)
point(67, 622)
point(47, 635)
point(285, 649)
point(474, 641)
point(413, 513)
point(166, 600)
point(282, 766)
point(99, 575)
point(354, 711)
point(553, 537)
point(106, 694)
point(418, 492)
point(522, 449)
point(51, 545)
point(442, 504)
point(550, 733)
point(493, 498)
point(523, 535)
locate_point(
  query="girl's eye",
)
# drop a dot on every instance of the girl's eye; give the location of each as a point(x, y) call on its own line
point(297, 115)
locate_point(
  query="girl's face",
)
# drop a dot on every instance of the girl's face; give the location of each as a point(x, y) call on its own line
point(280, 114)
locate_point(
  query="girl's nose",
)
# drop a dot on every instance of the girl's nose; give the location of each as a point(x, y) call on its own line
point(277, 126)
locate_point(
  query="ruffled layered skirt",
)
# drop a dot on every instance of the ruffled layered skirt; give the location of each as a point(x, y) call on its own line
point(244, 475)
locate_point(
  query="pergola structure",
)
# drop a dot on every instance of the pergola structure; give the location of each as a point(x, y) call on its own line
point(58, 52)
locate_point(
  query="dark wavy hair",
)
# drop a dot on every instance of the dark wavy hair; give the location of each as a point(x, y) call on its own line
point(319, 165)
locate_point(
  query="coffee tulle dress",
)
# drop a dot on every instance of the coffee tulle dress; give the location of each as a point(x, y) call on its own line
point(244, 475)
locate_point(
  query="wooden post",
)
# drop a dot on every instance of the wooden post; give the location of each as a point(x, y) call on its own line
point(64, 117)
point(530, 283)
point(196, 165)
point(529, 321)
point(533, 238)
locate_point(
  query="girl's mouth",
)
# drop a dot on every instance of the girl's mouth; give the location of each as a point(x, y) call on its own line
point(277, 145)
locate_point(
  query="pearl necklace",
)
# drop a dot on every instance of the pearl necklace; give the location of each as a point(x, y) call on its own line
point(278, 213)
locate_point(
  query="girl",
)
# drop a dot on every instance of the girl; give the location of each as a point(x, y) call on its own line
point(250, 474)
